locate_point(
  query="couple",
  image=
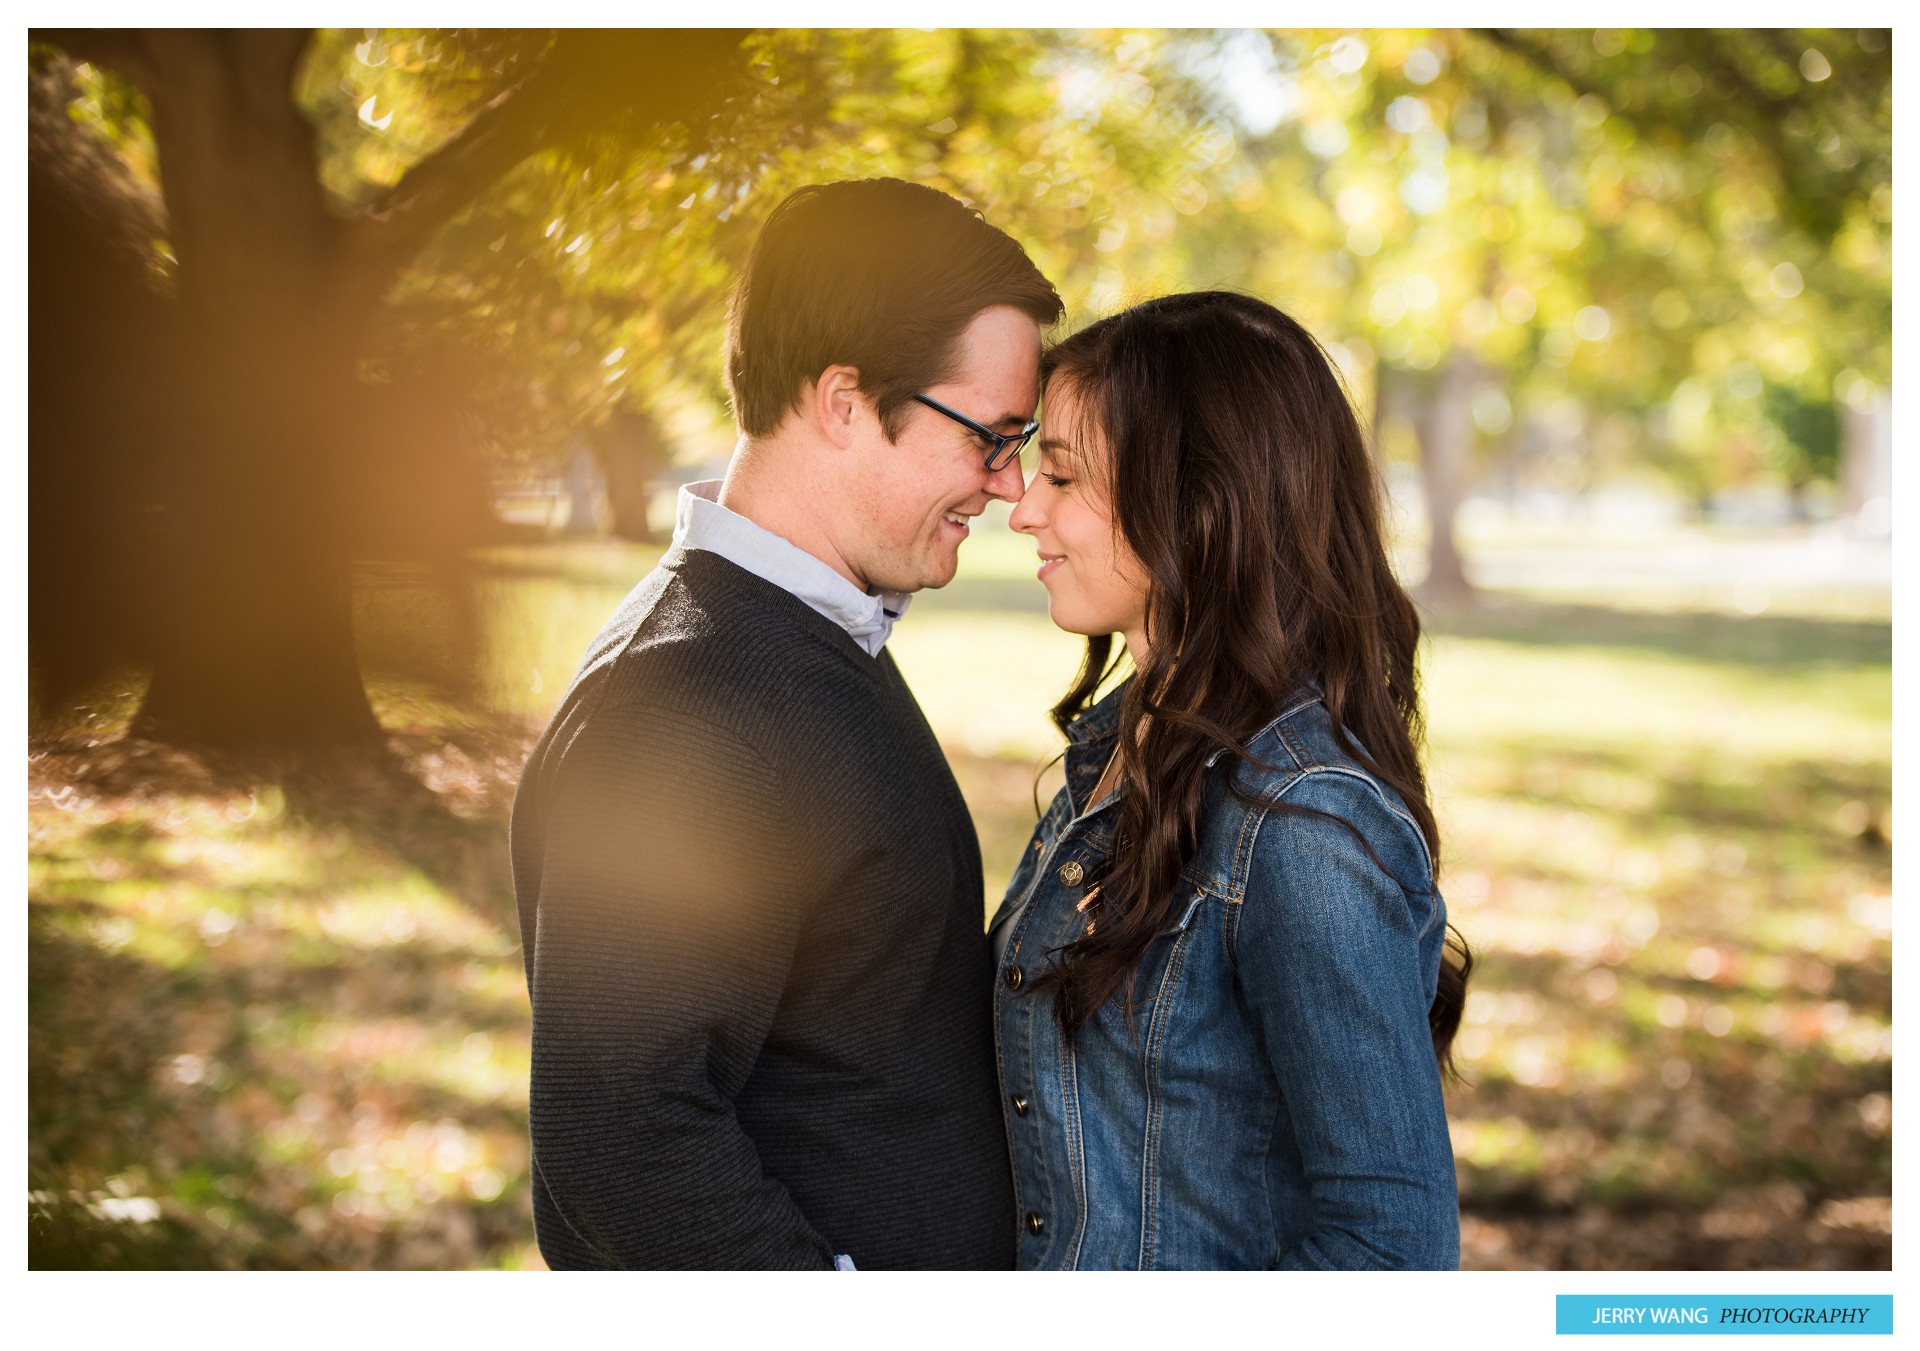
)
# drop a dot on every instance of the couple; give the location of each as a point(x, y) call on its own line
point(1207, 1026)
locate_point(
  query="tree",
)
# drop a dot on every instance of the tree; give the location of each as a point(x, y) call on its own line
point(276, 293)
point(632, 452)
point(1510, 223)
point(1784, 141)
point(537, 225)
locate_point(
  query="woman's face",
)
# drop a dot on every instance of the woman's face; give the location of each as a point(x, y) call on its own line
point(1094, 582)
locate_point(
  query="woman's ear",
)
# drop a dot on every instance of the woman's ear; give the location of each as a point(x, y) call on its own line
point(838, 404)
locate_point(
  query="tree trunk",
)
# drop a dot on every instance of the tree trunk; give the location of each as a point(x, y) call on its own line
point(255, 648)
point(586, 486)
point(259, 655)
point(632, 451)
point(1444, 427)
point(1866, 466)
point(254, 643)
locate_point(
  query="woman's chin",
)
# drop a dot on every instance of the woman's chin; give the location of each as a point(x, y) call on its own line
point(1067, 622)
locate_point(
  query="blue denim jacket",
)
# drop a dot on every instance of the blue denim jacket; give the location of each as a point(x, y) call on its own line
point(1280, 1105)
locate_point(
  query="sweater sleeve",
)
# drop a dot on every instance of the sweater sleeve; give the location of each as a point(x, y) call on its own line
point(669, 908)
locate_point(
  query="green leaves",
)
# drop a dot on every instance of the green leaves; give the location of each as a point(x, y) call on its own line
point(1611, 216)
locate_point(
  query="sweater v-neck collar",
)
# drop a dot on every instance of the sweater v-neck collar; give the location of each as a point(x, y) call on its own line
point(701, 565)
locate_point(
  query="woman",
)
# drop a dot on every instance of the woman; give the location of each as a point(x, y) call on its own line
point(1224, 999)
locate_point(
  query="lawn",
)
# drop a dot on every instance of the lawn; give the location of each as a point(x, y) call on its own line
point(285, 1024)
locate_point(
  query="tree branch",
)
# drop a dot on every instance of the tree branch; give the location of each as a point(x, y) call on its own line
point(1542, 59)
point(1810, 190)
point(501, 134)
point(119, 49)
point(1808, 194)
point(587, 79)
point(96, 179)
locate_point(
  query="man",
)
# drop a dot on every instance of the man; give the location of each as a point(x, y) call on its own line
point(750, 892)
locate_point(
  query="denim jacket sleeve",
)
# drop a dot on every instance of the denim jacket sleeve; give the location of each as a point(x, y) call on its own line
point(1335, 959)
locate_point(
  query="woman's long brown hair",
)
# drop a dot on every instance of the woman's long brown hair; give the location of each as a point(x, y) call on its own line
point(1239, 478)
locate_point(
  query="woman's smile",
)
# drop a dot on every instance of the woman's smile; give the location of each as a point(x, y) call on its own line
point(1066, 504)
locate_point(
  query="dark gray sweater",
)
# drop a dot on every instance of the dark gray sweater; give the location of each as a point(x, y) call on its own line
point(750, 900)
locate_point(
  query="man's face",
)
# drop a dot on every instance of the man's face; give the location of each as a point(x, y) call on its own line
point(914, 496)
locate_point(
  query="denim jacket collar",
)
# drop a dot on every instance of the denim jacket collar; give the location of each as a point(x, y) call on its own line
point(1089, 734)
point(1090, 746)
point(1306, 692)
point(1100, 719)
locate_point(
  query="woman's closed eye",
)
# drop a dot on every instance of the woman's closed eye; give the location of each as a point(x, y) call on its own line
point(1055, 480)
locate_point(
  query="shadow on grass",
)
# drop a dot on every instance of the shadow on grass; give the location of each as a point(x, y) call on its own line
point(236, 1058)
point(1776, 641)
point(1832, 806)
point(1658, 1100)
point(245, 1114)
point(97, 1024)
point(463, 854)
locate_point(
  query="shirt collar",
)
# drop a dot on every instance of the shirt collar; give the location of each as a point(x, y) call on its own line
point(702, 523)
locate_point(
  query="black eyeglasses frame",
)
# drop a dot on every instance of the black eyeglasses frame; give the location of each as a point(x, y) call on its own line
point(1000, 456)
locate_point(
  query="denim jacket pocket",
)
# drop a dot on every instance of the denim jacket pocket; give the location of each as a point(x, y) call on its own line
point(1157, 978)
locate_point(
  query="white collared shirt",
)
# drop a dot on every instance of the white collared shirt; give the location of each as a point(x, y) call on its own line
point(700, 522)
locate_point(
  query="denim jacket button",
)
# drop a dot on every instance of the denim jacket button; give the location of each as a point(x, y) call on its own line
point(1071, 872)
point(1034, 1223)
point(1013, 978)
point(1019, 1105)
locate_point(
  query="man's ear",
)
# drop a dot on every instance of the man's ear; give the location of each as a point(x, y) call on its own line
point(838, 405)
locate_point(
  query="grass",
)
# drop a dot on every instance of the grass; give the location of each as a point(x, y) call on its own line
point(273, 1027)
point(1675, 866)
point(286, 1024)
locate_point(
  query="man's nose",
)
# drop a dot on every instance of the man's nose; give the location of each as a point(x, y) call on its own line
point(1005, 482)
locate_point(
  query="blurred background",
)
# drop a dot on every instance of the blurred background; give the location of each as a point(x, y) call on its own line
point(364, 365)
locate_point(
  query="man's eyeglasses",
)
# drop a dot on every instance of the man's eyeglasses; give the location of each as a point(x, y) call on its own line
point(1006, 449)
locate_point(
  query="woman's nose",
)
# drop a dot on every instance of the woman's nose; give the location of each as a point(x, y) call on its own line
point(1027, 516)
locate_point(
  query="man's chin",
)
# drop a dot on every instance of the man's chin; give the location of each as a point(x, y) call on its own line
point(929, 572)
point(936, 569)
point(941, 571)
point(908, 585)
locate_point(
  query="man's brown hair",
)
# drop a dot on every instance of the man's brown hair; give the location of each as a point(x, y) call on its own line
point(878, 274)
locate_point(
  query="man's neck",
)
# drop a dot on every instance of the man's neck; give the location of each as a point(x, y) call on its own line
point(763, 484)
